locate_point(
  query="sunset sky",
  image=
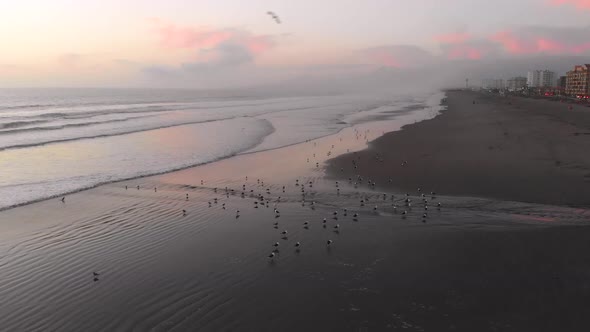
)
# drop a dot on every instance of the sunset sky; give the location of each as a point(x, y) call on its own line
point(199, 43)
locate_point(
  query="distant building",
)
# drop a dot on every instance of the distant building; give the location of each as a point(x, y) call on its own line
point(540, 78)
point(532, 78)
point(516, 83)
point(491, 83)
point(561, 82)
point(578, 80)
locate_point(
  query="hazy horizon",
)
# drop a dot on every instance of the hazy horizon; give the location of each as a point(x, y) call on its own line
point(228, 44)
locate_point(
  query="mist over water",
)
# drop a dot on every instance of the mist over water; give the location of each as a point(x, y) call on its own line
point(58, 141)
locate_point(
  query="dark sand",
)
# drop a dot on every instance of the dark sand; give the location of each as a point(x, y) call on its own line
point(506, 148)
point(475, 265)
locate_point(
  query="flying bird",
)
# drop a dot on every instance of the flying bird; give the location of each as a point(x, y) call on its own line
point(274, 17)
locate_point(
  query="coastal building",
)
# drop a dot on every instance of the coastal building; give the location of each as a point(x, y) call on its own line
point(578, 81)
point(540, 78)
point(547, 78)
point(532, 78)
point(492, 84)
point(561, 82)
point(516, 83)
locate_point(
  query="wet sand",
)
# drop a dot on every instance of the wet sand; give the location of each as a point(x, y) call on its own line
point(505, 148)
point(474, 265)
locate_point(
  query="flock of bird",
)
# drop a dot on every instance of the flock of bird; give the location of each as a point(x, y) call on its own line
point(263, 198)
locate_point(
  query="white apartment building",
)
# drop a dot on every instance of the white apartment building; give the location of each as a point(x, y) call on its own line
point(516, 83)
point(540, 78)
point(491, 83)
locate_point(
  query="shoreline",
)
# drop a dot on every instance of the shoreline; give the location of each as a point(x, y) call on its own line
point(512, 149)
point(402, 113)
point(183, 252)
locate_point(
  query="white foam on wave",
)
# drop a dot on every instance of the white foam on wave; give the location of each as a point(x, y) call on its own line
point(130, 143)
point(46, 171)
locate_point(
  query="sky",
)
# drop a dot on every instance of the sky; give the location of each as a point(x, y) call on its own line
point(231, 43)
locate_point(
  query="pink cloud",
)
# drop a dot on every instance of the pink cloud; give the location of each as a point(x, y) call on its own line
point(453, 38)
point(580, 4)
point(178, 37)
point(520, 45)
point(464, 52)
point(511, 43)
point(259, 44)
point(459, 46)
point(383, 58)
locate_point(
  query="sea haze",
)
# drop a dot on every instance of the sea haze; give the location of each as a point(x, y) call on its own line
point(56, 141)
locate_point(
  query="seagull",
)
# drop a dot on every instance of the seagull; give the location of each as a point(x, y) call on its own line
point(96, 274)
point(284, 232)
point(329, 242)
point(272, 255)
point(63, 199)
point(276, 245)
point(297, 244)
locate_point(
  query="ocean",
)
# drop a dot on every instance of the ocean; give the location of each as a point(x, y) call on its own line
point(58, 141)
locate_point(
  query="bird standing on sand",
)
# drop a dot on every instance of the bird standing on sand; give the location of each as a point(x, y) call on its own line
point(63, 199)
